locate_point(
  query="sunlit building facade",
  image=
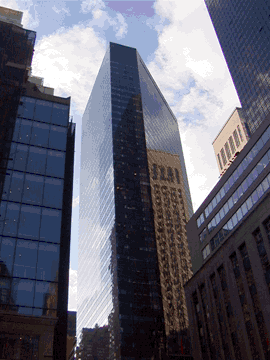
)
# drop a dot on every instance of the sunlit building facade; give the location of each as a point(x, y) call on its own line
point(134, 203)
point(243, 31)
point(37, 148)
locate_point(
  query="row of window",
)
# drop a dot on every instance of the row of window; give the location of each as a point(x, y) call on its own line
point(29, 259)
point(36, 160)
point(39, 134)
point(31, 222)
point(33, 189)
point(238, 215)
point(23, 292)
point(242, 188)
point(235, 175)
point(45, 111)
point(232, 147)
point(159, 174)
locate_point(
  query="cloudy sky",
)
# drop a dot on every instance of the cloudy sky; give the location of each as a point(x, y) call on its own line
point(177, 42)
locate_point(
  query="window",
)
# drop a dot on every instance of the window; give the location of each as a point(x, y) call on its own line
point(25, 259)
point(177, 176)
point(203, 235)
point(223, 156)
point(227, 149)
point(154, 172)
point(162, 173)
point(170, 174)
point(232, 144)
point(236, 138)
point(23, 291)
point(219, 161)
point(206, 251)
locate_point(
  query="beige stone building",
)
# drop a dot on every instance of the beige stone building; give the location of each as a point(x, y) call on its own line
point(230, 140)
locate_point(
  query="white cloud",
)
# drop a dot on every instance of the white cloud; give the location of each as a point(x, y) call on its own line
point(72, 292)
point(69, 61)
point(88, 5)
point(189, 50)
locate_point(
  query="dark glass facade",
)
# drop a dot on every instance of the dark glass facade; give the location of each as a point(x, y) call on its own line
point(243, 29)
point(119, 274)
point(35, 219)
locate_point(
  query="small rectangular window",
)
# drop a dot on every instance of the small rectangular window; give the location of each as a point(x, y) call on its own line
point(219, 161)
point(232, 144)
point(240, 133)
point(236, 138)
point(227, 149)
point(223, 156)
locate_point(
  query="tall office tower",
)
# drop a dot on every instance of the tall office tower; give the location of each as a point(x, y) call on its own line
point(134, 202)
point(35, 214)
point(229, 240)
point(243, 31)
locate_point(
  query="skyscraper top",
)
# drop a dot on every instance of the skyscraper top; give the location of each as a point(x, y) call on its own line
point(243, 29)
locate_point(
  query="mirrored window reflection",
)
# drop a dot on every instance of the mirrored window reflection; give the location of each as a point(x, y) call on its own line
point(23, 292)
point(50, 225)
point(6, 187)
point(26, 109)
point(58, 138)
point(15, 190)
point(43, 111)
point(21, 157)
point(33, 189)
point(36, 160)
point(46, 295)
point(55, 163)
point(40, 134)
point(25, 259)
point(3, 207)
point(6, 256)
point(29, 222)
point(11, 219)
point(48, 262)
point(53, 192)
point(12, 155)
point(60, 114)
point(25, 131)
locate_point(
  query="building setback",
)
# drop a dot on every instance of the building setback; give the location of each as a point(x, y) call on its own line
point(229, 240)
point(243, 31)
point(134, 203)
point(35, 211)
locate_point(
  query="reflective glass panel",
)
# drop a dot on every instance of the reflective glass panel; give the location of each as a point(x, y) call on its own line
point(26, 109)
point(43, 111)
point(40, 134)
point(48, 262)
point(25, 131)
point(22, 292)
point(50, 225)
point(60, 114)
point(29, 222)
point(46, 295)
point(53, 192)
point(33, 189)
point(7, 255)
point(36, 160)
point(58, 138)
point(11, 219)
point(15, 191)
point(25, 259)
point(55, 163)
point(21, 157)
point(16, 130)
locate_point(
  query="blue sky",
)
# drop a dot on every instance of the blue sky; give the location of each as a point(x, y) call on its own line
point(177, 42)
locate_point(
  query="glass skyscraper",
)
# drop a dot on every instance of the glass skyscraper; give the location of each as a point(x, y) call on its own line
point(243, 31)
point(134, 204)
point(37, 148)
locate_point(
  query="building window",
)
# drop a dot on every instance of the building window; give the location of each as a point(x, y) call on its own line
point(236, 138)
point(240, 133)
point(203, 235)
point(206, 251)
point(154, 172)
point(170, 174)
point(223, 157)
point(227, 149)
point(162, 173)
point(232, 144)
point(219, 161)
point(177, 176)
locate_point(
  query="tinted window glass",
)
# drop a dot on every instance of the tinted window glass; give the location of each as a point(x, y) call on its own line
point(26, 110)
point(46, 295)
point(25, 131)
point(29, 222)
point(3, 206)
point(53, 192)
point(25, 259)
point(23, 292)
point(55, 163)
point(36, 160)
point(15, 191)
point(43, 111)
point(7, 255)
point(40, 134)
point(33, 189)
point(60, 114)
point(58, 138)
point(5, 194)
point(48, 262)
point(16, 130)
point(21, 157)
point(50, 225)
point(11, 219)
